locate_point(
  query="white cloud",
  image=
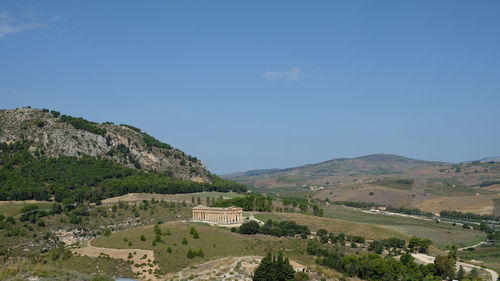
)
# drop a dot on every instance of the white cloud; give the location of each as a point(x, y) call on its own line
point(294, 73)
point(11, 25)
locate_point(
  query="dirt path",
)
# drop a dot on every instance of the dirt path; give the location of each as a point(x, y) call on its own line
point(473, 246)
point(143, 261)
point(426, 259)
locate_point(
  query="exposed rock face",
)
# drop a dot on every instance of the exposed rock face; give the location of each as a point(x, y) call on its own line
point(54, 137)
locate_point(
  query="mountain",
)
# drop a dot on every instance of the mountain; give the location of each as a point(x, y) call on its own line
point(375, 164)
point(55, 135)
point(45, 155)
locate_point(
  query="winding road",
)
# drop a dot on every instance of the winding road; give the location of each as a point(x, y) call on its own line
point(426, 259)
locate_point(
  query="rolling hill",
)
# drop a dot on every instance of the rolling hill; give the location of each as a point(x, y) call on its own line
point(375, 164)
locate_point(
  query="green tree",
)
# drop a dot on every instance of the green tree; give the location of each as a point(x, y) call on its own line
point(445, 267)
point(251, 227)
point(452, 253)
point(274, 269)
point(460, 273)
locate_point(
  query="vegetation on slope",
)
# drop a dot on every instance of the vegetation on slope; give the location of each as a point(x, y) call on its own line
point(26, 176)
point(55, 135)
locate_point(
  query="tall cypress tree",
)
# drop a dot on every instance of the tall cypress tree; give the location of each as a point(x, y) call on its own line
point(274, 268)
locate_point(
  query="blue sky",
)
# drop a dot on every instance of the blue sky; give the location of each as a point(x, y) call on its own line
point(261, 84)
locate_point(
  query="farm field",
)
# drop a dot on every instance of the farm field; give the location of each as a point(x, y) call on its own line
point(338, 225)
point(479, 204)
point(442, 234)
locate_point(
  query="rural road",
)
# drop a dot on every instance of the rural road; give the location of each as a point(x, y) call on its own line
point(473, 246)
point(426, 259)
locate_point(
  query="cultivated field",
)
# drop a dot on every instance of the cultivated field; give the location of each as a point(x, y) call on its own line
point(442, 234)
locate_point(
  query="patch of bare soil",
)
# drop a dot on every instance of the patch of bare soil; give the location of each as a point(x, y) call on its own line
point(23, 202)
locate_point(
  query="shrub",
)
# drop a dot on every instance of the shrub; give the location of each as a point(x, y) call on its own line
point(107, 232)
point(40, 123)
point(251, 227)
point(191, 254)
point(301, 276)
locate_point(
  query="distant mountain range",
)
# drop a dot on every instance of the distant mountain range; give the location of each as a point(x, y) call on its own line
point(490, 159)
point(370, 164)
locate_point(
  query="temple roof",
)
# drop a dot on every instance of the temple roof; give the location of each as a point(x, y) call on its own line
point(206, 208)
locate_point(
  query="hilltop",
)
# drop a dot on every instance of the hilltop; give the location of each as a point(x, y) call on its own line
point(44, 154)
point(375, 164)
point(55, 135)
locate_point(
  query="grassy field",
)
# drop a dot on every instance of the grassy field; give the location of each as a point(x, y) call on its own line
point(336, 225)
point(214, 242)
point(442, 234)
point(489, 255)
point(75, 268)
point(12, 209)
point(135, 197)
point(296, 191)
point(267, 216)
point(480, 204)
point(394, 183)
point(448, 187)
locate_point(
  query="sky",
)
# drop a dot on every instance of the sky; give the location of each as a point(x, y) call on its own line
point(266, 84)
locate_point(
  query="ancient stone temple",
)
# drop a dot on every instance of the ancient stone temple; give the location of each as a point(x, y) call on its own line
point(230, 215)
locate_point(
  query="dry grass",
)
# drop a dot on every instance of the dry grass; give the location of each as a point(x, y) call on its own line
point(480, 204)
point(215, 242)
point(336, 225)
point(135, 197)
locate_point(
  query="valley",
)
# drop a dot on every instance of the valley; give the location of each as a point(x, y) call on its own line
point(98, 215)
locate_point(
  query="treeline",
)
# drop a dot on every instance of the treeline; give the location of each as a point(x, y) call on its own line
point(274, 228)
point(367, 205)
point(468, 216)
point(361, 205)
point(488, 183)
point(290, 203)
point(24, 176)
point(82, 124)
point(250, 202)
point(373, 267)
point(444, 214)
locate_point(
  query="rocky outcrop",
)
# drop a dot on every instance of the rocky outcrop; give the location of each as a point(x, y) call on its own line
point(54, 136)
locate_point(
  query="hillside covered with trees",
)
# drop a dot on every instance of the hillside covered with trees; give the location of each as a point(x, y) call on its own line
point(55, 135)
point(45, 155)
